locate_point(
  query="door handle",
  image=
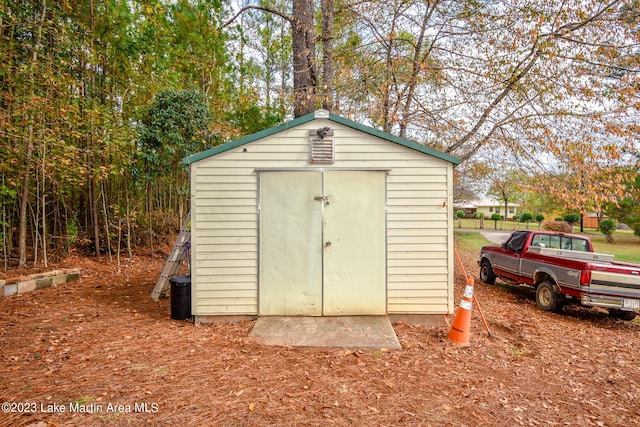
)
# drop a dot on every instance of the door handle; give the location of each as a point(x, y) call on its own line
point(327, 243)
point(324, 199)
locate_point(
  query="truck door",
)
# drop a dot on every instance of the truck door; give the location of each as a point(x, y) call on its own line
point(510, 258)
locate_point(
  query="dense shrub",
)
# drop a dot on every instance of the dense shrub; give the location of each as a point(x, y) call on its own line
point(607, 227)
point(572, 218)
point(559, 226)
point(636, 229)
point(496, 217)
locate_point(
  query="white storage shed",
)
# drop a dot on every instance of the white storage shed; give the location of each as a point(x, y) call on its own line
point(321, 216)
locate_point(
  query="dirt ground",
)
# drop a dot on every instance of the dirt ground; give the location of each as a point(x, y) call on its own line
point(99, 352)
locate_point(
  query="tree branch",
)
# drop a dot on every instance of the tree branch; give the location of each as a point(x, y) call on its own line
point(519, 73)
point(262, 8)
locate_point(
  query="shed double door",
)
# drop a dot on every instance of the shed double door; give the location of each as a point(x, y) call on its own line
point(322, 243)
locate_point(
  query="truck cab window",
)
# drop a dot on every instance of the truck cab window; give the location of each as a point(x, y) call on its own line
point(516, 242)
point(577, 245)
point(546, 241)
point(541, 240)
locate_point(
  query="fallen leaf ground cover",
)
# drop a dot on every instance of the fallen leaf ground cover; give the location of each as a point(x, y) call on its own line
point(99, 352)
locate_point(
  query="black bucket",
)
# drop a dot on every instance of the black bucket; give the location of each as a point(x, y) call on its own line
point(180, 297)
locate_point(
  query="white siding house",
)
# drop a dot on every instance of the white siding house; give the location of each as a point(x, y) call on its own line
point(284, 222)
point(489, 207)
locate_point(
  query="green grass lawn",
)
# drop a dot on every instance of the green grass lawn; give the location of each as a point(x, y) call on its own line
point(470, 240)
point(474, 224)
point(625, 247)
point(625, 250)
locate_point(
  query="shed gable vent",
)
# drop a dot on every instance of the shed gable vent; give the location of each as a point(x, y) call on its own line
point(321, 146)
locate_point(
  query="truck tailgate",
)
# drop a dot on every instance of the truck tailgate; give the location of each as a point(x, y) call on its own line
point(607, 284)
point(620, 284)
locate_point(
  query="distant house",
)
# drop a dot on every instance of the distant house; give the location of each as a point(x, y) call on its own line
point(468, 207)
point(590, 220)
point(487, 207)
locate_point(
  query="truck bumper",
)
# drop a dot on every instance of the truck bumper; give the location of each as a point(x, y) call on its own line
point(625, 304)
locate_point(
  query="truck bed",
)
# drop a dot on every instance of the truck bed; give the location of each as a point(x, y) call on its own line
point(566, 253)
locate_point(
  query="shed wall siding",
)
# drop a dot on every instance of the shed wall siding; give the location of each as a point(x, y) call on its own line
point(225, 219)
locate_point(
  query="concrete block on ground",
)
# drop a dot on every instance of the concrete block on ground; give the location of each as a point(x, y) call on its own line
point(56, 280)
point(26, 286)
point(74, 274)
point(22, 284)
point(10, 289)
point(44, 282)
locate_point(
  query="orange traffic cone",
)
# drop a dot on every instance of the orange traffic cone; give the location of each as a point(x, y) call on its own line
point(461, 325)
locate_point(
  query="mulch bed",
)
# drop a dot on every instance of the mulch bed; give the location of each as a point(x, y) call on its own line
point(100, 344)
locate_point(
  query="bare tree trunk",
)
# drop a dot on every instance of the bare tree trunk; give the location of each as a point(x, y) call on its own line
point(90, 95)
point(5, 251)
point(304, 63)
point(106, 220)
point(149, 205)
point(420, 55)
point(126, 192)
point(304, 66)
point(328, 71)
point(93, 206)
point(387, 122)
point(44, 208)
point(119, 243)
point(35, 235)
point(22, 233)
point(283, 75)
point(24, 198)
point(506, 205)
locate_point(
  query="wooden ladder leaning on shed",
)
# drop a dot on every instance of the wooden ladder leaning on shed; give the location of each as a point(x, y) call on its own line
point(174, 261)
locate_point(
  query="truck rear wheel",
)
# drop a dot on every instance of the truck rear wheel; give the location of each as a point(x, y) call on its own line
point(547, 298)
point(486, 273)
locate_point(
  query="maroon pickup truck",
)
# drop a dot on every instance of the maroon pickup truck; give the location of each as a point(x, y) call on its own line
point(563, 268)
